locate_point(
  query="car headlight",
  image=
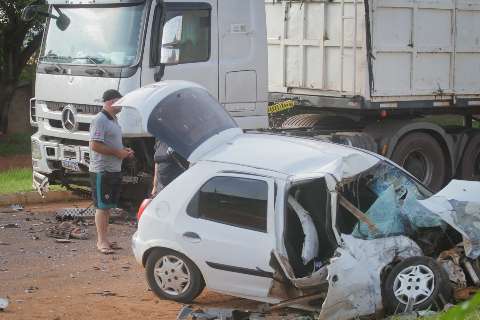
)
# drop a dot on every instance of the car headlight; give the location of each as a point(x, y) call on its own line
point(36, 152)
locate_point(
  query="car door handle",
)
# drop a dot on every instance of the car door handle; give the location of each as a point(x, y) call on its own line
point(192, 236)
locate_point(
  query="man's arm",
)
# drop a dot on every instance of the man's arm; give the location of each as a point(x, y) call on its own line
point(102, 148)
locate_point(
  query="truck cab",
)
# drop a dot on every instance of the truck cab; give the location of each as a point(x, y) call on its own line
point(125, 45)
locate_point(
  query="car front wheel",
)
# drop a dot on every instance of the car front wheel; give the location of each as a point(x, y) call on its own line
point(173, 276)
point(416, 283)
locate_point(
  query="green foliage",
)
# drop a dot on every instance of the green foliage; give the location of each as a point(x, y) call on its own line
point(19, 180)
point(15, 144)
point(16, 180)
point(465, 310)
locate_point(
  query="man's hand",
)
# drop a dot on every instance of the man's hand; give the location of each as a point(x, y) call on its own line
point(131, 153)
point(124, 153)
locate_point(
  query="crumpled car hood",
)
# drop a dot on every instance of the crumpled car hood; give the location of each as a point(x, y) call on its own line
point(458, 204)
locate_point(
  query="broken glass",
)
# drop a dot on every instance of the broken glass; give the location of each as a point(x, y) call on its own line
point(389, 197)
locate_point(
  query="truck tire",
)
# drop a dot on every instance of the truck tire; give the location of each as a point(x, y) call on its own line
point(470, 165)
point(421, 155)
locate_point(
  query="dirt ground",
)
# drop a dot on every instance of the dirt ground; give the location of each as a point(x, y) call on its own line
point(44, 279)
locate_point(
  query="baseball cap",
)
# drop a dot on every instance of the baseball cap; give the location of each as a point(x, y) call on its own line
point(111, 94)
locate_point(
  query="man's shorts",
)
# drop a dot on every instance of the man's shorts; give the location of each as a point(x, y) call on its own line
point(105, 189)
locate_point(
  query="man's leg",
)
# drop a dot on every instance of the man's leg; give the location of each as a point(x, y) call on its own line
point(101, 222)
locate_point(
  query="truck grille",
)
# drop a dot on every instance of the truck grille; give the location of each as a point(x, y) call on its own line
point(80, 108)
point(58, 125)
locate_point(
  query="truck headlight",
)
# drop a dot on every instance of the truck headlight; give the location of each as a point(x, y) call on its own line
point(36, 152)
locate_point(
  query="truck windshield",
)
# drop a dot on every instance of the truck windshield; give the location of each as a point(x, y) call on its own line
point(96, 35)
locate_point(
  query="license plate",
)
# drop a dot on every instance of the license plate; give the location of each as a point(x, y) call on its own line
point(71, 165)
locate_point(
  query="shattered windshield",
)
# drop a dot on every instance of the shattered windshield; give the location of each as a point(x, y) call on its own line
point(96, 35)
point(389, 198)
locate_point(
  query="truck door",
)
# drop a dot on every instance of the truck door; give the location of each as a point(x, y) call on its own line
point(182, 43)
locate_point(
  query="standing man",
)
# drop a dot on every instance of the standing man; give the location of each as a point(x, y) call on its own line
point(167, 167)
point(106, 155)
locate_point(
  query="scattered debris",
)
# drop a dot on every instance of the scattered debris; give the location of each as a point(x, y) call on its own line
point(16, 207)
point(34, 237)
point(79, 214)
point(63, 240)
point(217, 314)
point(9, 225)
point(3, 304)
point(31, 289)
point(4, 243)
point(67, 230)
point(107, 293)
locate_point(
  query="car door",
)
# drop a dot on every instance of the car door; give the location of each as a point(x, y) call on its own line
point(228, 230)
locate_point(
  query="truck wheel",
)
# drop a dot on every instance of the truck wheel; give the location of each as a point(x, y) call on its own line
point(470, 165)
point(418, 281)
point(421, 155)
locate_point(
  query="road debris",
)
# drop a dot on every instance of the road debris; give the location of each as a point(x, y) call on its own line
point(63, 240)
point(9, 225)
point(31, 289)
point(67, 230)
point(217, 314)
point(3, 304)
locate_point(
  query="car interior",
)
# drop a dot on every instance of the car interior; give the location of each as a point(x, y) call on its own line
point(314, 197)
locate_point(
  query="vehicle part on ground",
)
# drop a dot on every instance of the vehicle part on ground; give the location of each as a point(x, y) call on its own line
point(3, 304)
point(421, 155)
point(470, 165)
point(173, 276)
point(348, 295)
point(67, 230)
point(416, 283)
point(66, 214)
point(187, 312)
point(300, 300)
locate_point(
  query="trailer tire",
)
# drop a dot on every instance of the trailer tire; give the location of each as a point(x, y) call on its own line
point(470, 165)
point(421, 155)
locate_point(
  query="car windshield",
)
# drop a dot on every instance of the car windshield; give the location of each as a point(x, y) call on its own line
point(389, 198)
point(96, 35)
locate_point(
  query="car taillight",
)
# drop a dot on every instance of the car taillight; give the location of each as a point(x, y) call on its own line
point(144, 204)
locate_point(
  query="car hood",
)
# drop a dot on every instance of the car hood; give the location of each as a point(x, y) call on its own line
point(458, 204)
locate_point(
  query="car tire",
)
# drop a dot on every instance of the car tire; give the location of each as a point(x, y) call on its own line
point(421, 155)
point(419, 278)
point(470, 165)
point(173, 276)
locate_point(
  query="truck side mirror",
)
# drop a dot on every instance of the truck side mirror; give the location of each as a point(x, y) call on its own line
point(171, 41)
point(62, 21)
point(29, 12)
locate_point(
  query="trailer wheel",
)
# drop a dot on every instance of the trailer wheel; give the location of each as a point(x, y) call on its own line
point(421, 155)
point(470, 165)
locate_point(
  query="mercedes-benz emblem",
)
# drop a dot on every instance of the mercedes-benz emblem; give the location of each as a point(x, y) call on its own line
point(69, 120)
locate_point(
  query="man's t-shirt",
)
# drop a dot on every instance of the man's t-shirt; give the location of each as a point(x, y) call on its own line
point(105, 128)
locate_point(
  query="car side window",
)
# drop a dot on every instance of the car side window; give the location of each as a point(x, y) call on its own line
point(183, 34)
point(240, 202)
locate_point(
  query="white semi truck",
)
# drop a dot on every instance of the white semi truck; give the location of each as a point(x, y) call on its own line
point(363, 73)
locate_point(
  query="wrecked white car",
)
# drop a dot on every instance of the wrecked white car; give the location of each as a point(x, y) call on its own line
point(295, 221)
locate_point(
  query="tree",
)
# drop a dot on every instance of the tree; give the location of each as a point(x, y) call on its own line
point(19, 40)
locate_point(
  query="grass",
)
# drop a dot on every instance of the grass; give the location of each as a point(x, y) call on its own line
point(19, 180)
point(15, 144)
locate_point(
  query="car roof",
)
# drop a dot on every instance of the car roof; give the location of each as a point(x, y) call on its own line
point(292, 156)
